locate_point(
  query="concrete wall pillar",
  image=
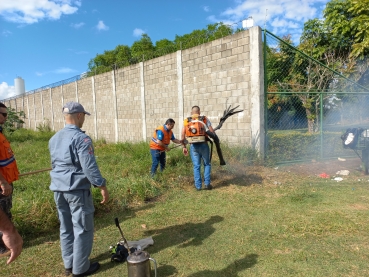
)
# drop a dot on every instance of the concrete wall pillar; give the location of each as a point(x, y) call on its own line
point(180, 92)
point(257, 90)
point(94, 105)
point(52, 110)
point(115, 107)
point(143, 104)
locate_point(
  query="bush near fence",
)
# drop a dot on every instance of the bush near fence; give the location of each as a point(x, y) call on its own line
point(295, 145)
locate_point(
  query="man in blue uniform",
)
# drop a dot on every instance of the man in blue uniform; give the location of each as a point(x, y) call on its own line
point(74, 170)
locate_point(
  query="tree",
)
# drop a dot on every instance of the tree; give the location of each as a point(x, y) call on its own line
point(120, 56)
point(348, 22)
point(14, 120)
point(123, 55)
point(196, 37)
point(143, 48)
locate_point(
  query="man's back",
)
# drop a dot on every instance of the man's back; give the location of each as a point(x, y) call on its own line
point(66, 150)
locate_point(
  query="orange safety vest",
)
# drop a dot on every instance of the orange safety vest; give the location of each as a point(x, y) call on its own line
point(8, 165)
point(195, 128)
point(166, 139)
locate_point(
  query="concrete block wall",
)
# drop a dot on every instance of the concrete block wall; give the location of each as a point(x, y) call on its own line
point(127, 104)
point(86, 98)
point(46, 108)
point(161, 97)
point(57, 103)
point(105, 106)
point(129, 108)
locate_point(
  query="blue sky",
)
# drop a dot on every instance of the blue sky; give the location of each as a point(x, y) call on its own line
point(46, 41)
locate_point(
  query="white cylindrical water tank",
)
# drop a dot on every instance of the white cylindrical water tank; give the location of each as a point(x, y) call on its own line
point(19, 86)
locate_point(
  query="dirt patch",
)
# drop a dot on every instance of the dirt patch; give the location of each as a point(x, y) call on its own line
point(240, 175)
point(330, 167)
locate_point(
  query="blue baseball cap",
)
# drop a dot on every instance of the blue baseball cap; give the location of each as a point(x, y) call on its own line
point(74, 107)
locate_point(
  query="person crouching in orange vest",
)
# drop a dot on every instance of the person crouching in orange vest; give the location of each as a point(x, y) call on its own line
point(159, 145)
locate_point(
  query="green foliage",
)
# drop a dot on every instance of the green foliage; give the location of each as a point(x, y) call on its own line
point(14, 120)
point(293, 145)
point(144, 49)
point(23, 135)
point(347, 20)
point(44, 127)
point(120, 56)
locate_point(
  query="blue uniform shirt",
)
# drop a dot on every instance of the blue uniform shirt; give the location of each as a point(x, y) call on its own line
point(160, 135)
point(73, 161)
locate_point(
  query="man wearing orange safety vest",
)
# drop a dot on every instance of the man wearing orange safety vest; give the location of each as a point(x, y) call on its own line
point(159, 144)
point(8, 174)
point(194, 131)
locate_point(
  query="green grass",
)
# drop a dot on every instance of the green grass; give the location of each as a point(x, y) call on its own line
point(249, 225)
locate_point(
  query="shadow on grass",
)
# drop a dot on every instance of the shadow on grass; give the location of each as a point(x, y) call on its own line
point(245, 181)
point(184, 235)
point(231, 270)
point(104, 216)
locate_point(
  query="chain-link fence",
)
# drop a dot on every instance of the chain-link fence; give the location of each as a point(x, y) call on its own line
point(309, 105)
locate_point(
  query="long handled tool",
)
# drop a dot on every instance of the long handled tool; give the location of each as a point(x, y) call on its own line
point(124, 239)
point(185, 142)
point(34, 172)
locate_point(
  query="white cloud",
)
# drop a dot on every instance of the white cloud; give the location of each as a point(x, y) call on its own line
point(206, 8)
point(63, 70)
point(78, 52)
point(77, 25)
point(60, 70)
point(138, 32)
point(279, 16)
point(32, 11)
point(6, 33)
point(101, 26)
point(6, 91)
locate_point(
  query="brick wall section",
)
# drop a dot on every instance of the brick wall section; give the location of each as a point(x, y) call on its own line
point(46, 109)
point(214, 75)
point(85, 98)
point(129, 103)
point(57, 102)
point(161, 97)
point(105, 106)
point(69, 92)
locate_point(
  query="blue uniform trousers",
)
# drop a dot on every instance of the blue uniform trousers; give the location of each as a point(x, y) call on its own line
point(200, 153)
point(76, 215)
point(158, 157)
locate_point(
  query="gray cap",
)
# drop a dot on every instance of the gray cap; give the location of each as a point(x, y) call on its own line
point(74, 107)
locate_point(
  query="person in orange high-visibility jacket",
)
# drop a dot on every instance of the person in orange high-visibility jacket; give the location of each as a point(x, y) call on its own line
point(159, 145)
point(8, 174)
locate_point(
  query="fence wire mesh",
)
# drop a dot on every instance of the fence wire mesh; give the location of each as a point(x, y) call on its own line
point(309, 105)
